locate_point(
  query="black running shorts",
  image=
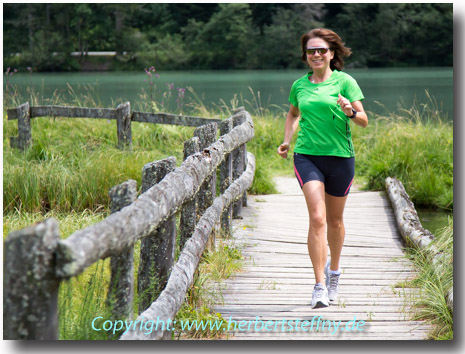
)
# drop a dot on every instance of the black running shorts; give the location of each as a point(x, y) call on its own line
point(337, 173)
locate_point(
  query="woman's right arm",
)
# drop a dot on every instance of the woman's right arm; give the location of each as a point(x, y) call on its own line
point(292, 120)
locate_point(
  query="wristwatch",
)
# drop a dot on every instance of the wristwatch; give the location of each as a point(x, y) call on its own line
point(354, 114)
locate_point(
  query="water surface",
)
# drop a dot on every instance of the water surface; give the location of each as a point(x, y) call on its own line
point(384, 89)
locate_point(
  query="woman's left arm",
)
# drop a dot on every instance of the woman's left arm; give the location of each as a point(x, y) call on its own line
point(361, 119)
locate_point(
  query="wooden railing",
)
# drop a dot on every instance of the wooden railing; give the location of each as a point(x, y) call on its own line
point(122, 114)
point(36, 260)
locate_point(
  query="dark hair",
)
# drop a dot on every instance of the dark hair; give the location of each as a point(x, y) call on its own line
point(335, 44)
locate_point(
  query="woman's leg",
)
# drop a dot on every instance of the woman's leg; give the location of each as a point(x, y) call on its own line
point(314, 192)
point(335, 224)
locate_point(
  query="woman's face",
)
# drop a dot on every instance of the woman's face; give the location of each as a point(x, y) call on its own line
point(319, 61)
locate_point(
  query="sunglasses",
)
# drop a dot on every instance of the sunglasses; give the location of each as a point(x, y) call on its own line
point(312, 51)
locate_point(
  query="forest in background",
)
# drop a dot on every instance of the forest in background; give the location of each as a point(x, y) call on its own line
point(186, 36)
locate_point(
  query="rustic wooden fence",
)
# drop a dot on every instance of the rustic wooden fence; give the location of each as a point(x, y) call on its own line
point(122, 114)
point(36, 260)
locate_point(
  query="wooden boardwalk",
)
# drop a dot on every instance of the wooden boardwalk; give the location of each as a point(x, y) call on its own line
point(272, 295)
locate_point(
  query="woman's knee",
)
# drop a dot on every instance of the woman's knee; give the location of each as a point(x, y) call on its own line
point(335, 222)
point(318, 221)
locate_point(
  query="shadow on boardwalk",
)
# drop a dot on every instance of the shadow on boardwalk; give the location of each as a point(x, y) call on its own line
point(270, 299)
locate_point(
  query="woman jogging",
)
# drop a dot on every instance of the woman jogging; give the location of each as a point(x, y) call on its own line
point(325, 100)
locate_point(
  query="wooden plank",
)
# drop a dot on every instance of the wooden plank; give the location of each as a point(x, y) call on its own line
point(329, 336)
point(273, 271)
point(362, 257)
point(287, 247)
point(388, 332)
point(73, 112)
point(280, 301)
point(299, 300)
point(173, 119)
point(300, 260)
point(349, 242)
point(299, 275)
point(303, 228)
point(289, 331)
point(298, 297)
point(268, 288)
point(301, 216)
point(301, 308)
point(308, 278)
point(352, 235)
point(328, 313)
point(257, 327)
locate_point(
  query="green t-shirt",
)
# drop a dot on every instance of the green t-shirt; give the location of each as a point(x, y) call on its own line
point(324, 127)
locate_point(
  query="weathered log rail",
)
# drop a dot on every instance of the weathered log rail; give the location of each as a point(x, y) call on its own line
point(122, 114)
point(168, 304)
point(36, 260)
point(410, 226)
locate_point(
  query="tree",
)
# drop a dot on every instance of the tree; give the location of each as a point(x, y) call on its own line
point(224, 36)
point(354, 23)
point(223, 42)
point(281, 38)
point(408, 34)
point(428, 34)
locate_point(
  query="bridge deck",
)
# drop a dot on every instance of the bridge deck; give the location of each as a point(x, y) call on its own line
point(277, 281)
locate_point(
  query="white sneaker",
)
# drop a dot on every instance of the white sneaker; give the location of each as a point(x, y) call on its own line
point(332, 282)
point(319, 297)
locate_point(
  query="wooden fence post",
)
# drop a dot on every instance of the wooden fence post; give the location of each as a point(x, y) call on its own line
point(157, 249)
point(226, 180)
point(189, 210)
point(207, 192)
point(24, 138)
point(238, 161)
point(123, 124)
point(121, 291)
point(30, 287)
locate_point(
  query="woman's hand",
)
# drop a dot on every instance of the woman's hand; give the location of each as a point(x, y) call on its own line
point(345, 104)
point(283, 149)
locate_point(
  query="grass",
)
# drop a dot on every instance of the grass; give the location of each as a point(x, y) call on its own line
point(73, 163)
point(435, 280)
point(80, 298)
point(414, 145)
point(206, 292)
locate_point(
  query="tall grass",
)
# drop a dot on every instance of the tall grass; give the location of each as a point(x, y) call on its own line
point(206, 291)
point(416, 146)
point(80, 298)
point(74, 162)
point(434, 282)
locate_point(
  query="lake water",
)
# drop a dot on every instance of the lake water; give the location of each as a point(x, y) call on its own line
point(433, 221)
point(384, 89)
